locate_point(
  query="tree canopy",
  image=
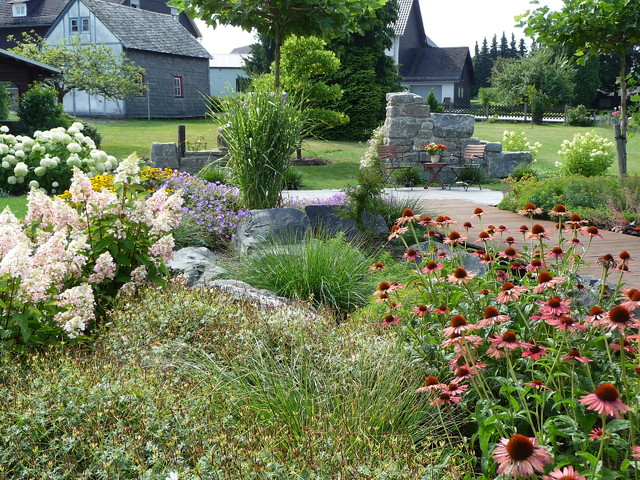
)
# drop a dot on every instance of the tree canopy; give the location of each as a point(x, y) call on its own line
point(592, 27)
point(92, 68)
point(282, 18)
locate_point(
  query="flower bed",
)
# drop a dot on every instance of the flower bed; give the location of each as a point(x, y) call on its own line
point(544, 371)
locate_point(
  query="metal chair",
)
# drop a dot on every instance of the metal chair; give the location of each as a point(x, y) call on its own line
point(393, 161)
point(469, 165)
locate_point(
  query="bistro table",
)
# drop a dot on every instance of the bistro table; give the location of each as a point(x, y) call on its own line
point(434, 170)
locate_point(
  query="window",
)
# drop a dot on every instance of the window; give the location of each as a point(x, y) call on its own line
point(74, 25)
point(19, 9)
point(78, 25)
point(141, 79)
point(85, 24)
point(178, 86)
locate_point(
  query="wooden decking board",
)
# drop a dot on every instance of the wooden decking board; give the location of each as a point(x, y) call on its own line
point(613, 243)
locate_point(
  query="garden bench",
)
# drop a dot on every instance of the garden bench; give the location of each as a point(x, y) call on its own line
point(468, 164)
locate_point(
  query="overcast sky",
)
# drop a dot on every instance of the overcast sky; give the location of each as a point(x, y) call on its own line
point(449, 23)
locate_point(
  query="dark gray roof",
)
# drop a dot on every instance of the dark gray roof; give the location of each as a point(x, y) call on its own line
point(139, 29)
point(242, 50)
point(405, 7)
point(33, 63)
point(435, 64)
point(39, 12)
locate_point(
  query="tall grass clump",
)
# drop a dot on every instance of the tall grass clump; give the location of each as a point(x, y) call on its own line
point(262, 130)
point(330, 272)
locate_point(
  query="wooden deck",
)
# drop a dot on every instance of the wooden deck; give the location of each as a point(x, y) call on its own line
point(613, 243)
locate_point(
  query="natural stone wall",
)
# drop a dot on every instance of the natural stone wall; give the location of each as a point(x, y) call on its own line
point(166, 155)
point(409, 125)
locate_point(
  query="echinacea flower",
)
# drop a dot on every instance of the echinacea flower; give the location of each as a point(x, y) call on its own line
point(554, 307)
point(598, 434)
point(383, 287)
point(523, 229)
point(431, 267)
point(393, 306)
point(530, 209)
point(431, 383)
point(478, 212)
point(390, 320)
point(509, 253)
point(619, 318)
point(591, 231)
point(596, 314)
point(407, 217)
point(397, 232)
point(574, 355)
point(412, 254)
point(420, 310)
point(445, 398)
point(605, 400)
point(377, 266)
point(636, 452)
point(625, 257)
point(467, 226)
point(441, 310)
point(538, 232)
point(565, 323)
point(559, 211)
point(491, 316)
point(537, 384)
point(455, 238)
point(460, 276)
point(535, 352)
point(623, 344)
point(510, 241)
point(508, 340)
point(510, 292)
point(520, 456)
point(555, 252)
point(484, 236)
point(546, 281)
point(567, 473)
point(457, 325)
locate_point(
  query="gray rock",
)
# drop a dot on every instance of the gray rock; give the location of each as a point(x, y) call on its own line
point(245, 292)
point(453, 125)
point(326, 218)
point(408, 110)
point(493, 147)
point(165, 155)
point(503, 164)
point(399, 98)
point(198, 264)
point(401, 127)
point(287, 225)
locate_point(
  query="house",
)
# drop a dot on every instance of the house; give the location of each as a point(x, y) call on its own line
point(226, 74)
point(20, 71)
point(176, 66)
point(18, 16)
point(425, 66)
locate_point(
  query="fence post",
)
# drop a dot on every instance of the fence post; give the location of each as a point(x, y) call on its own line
point(182, 139)
point(486, 110)
point(525, 112)
point(566, 113)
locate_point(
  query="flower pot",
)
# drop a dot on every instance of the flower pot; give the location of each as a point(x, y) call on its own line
point(435, 158)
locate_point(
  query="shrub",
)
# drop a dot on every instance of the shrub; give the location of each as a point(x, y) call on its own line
point(433, 103)
point(587, 154)
point(4, 102)
point(330, 272)
point(579, 117)
point(408, 177)
point(523, 170)
point(293, 179)
point(61, 262)
point(47, 160)
point(517, 142)
point(38, 109)
point(214, 173)
point(262, 131)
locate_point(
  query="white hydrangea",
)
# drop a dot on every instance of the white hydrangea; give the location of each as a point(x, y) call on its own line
point(73, 147)
point(40, 171)
point(6, 165)
point(12, 180)
point(21, 169)
point(34, 184)
point(4, 129)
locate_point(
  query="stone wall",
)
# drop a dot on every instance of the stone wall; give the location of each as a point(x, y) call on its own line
point(409, 125)
point(166, 155)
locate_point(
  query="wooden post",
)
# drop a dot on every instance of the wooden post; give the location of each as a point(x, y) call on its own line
point(182, 139)
point(621, 147)
point(525, 112)
point(566, 113)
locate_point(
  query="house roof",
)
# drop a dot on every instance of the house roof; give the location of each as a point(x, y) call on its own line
point(226, 60)
point(139, 29)
point(244, 50)
point(435, 64)
point(404, 15)
point(32, 63)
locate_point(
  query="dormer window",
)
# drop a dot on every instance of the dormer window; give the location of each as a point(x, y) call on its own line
point(19, 9)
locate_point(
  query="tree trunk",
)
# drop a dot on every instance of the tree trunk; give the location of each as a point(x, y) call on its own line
point(621, 133)
point(276, 52)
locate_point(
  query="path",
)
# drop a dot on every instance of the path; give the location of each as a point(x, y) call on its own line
point(460, 204)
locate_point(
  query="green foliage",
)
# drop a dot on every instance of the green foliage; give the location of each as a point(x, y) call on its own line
point(4, 102)
point(213, 173)
point(487, 96)
point(293, 179)
point(433, 103)
point(513, 141)
point(409, 177)
point(262, 56)
point(262, 130)
point(39, 109)
point(549, 73)
point(365, 196)
point(330, 272)
point(523, 170)
point(589, 155)
point(579, 116)
point(92, 68)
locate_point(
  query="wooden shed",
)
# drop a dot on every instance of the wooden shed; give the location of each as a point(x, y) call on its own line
point(22, 71)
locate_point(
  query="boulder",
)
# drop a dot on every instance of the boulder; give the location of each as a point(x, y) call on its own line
point(165, 155)
point(287, 225)
point(401, 98)
point(452, 125)
point(501, 165)
point(402, 127)
point(327, 219)
point(244, 292)
point(198, 264)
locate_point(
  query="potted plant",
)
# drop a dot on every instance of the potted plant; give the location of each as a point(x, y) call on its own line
point(435, 150)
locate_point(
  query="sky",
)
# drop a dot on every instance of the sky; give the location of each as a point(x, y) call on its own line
point(449, 23)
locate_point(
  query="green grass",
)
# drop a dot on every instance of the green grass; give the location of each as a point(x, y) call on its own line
point(345, 163)
point(551, 137)
point(18, 205)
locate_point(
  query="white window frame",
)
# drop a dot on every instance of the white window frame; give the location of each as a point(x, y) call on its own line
point(178, 86)
point(19, 9)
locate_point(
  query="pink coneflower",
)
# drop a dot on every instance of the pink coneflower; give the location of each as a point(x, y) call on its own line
point(397, 232)
point(426, 221)
point(607, 261)
point(559, 211)
point(407, 217)
point(445, 398)
point(458, 340)
point(605, 400)
point(412, 255)
point(623, 344)
point(420, 310)
point(510, 292)
point(383, 287)
point(636, 453)
point(546, 281)
point(502, 229)
point(455, 388)
point(441, 310)
point(430, 384)
point(431, 267)
point(443, 221)
point(377, 266)
point(574, 355)
point(535, 352)
point(538, 232)
point(536, 265)
point(523, 229)
point(575, 221)
point(478, 212)
point(460, 276)
point(393, 306)
point(575, 241)
point(455, 238)
point(517, 265)
point(598, 434)
point(520, 456)
point(457, 326)
point(619, 318)
point(383, 297)
point(502, 275)
point(565, 323)
point(630, 298)
point(467, 226)
point(554, 307)
point(530, 209)
point(509, 253)
point(508, 340)
point(556, 253)
point(537, 384)
point(510, 241)
point(390, 320)
point(591, 231)
point(485, 236)
point(492, 316)
point(596, 314)
point(484, 291)
point(487, 258)
point(567, 473)
point(625, 257)
point(491, 229)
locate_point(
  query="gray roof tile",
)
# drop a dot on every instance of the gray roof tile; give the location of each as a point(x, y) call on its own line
point(434, 64)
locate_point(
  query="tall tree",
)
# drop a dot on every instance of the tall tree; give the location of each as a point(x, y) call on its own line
point(482, 64)
point(513, 47)
point(262, 56)
point(493, 50)
point(522, 48)
point(593, 27)
point(282, 18)
point(92, 68)
point(504, 46)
